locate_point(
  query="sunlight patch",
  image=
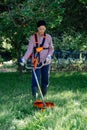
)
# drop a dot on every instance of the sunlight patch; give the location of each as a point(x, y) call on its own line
point(20, 123)
point(76, 103)
point(64, 94)
point(4, 113)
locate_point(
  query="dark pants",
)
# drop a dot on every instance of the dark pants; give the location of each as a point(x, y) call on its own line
point(44, 74)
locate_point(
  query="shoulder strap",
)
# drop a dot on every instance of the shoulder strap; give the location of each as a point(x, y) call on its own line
point(43, 40)
point(37, 55)
point(36, 40)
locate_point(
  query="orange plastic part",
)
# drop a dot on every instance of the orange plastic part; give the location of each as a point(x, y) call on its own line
point(39, 49)
point(35, 62)
point(40, 104)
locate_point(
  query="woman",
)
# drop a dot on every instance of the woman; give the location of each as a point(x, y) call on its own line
point(43, 42)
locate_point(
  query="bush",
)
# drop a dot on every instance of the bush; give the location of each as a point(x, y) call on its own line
point(71, 40)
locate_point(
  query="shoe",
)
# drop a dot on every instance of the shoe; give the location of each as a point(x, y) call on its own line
point(44, 91)
point(35, 96)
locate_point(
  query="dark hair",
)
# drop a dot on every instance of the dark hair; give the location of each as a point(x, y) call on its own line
point(41, 23)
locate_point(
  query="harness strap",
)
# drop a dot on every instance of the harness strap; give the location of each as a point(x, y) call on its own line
point(37, 50)
point(41, 45)
point(36, 42)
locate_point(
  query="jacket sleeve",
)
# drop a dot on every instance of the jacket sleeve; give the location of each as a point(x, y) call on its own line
point(51, 47)
point(29, 49)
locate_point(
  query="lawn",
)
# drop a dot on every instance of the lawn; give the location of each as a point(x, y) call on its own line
point(67, 90)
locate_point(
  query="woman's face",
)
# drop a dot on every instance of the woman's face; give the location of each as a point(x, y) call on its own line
point(41, 30)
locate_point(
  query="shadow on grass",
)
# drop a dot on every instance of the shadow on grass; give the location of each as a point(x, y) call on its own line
point(71, 81)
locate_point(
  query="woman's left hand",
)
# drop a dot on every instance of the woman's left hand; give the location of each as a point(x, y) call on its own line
point(48, 59)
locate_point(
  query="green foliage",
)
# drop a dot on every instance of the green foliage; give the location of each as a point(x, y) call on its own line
point(71, 40)
point(83, 1)
point(74, 16)
point(74, 41)
point(18, 21)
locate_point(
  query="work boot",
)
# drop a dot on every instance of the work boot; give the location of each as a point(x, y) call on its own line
point(44, 90)
point(35, 96)
point(35, 92)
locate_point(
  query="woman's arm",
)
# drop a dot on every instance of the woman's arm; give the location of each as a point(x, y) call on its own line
point(29, 49)
point(51, 48)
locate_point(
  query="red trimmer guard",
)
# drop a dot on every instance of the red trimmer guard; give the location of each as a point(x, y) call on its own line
point(40, 104)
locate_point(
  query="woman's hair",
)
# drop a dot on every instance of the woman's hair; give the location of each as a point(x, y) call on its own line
point(41, 23)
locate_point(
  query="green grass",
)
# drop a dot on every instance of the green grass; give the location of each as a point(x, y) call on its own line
point(67, 90)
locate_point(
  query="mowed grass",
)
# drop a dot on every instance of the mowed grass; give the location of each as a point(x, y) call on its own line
point(67, 90)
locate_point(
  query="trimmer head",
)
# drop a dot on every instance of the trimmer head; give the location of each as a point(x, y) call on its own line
point(42, 105)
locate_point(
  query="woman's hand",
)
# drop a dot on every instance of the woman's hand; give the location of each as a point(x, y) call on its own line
point(48, 59)
point(22, 61)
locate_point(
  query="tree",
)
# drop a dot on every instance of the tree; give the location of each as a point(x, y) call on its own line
point(83, 1)
point(75, 16)
point(18, 20)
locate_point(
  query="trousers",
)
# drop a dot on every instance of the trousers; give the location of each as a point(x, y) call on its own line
point(43, 78)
